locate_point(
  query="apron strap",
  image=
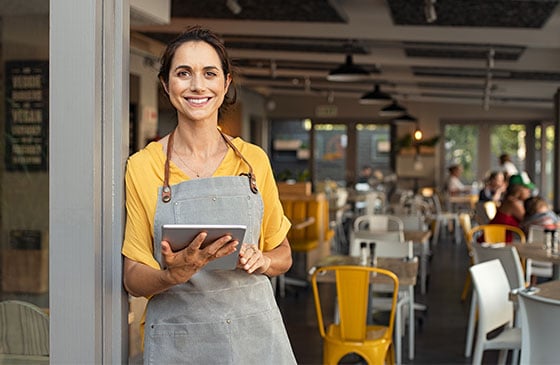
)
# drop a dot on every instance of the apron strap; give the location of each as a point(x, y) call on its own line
point(250, 174)
point(166, 190)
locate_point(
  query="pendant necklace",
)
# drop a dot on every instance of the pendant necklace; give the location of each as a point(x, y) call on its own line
point(184, 163)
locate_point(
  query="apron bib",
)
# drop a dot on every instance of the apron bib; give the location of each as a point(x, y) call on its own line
point(218, 316)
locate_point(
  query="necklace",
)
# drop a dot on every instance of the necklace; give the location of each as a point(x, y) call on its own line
point(185, 164)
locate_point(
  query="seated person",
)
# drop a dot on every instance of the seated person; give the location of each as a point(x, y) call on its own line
point(538, 213)
point(454, 185)
point(494, 188)
point(511, 210)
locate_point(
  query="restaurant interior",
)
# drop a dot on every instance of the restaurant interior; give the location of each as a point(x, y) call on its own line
point(362, 107)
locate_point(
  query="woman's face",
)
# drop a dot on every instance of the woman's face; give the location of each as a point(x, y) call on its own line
point(197, 84)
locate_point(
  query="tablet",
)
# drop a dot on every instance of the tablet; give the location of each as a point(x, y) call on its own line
point(180, 236)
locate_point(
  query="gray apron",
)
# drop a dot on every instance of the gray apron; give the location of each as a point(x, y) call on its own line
point(219, 316)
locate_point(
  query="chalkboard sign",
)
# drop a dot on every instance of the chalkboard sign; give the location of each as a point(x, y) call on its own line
point(27, 113)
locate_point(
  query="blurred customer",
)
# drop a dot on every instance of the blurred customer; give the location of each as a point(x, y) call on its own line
point(507, 166)
point(538, 213)
point(454, 185)
point(512, 210)
point(494, 188)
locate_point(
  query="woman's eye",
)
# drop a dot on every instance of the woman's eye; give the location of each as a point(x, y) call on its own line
point(183, 74)
point(211, 74)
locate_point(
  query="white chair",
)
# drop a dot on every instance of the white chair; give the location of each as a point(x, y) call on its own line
point(24, 333)
point(412, 222)
point(378, 222)
point(540, 321)
point(356, 237)
point(402, 250)
point(495, 310)
point(537, 268)
point(509, 258)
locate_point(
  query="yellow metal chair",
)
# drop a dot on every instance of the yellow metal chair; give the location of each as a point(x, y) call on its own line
point(352, 334)
point(496, 233)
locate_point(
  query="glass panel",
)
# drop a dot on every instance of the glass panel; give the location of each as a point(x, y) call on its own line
point(24, 178)
point(290, 149)
point(331, 141)
point(461, 147)
point(509, 139)
point(373, 148)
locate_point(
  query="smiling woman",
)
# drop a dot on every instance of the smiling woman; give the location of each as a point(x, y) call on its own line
point(199, 175)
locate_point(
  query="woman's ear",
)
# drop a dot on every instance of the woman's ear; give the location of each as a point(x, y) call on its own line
point(164, 85)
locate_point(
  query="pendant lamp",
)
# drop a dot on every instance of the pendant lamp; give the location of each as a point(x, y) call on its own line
point(348, 72)
point(405, 118)
point(392, 110)
point(375, 97)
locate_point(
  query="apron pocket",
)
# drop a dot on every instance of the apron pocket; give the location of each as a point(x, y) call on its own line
point(182, 343)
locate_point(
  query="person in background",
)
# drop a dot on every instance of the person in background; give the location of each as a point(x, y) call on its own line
point(454, 184)
point(366, 173)
point(512, 210)
point(507, 166)
point(198, 174)
point(538, 213)
point(494, 187)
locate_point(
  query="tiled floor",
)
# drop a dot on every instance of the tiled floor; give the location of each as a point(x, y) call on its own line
point(440, 331)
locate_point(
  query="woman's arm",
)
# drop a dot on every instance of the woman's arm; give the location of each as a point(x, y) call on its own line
point(143, 280)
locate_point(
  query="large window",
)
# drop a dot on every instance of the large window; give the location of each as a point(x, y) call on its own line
point(331, 141)
point(24, 177)
point(373, 147)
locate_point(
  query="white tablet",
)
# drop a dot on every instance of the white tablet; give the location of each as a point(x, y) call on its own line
point(180, 236)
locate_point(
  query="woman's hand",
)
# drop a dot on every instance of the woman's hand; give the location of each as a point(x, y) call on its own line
point(183, 264)
point(252, 260)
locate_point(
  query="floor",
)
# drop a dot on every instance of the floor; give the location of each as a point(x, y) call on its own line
point(440, 331)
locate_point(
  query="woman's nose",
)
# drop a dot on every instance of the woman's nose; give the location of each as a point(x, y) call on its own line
point(197, 82)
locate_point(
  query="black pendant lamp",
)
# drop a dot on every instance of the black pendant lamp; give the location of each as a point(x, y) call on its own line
point(375, 97)
point(392, 110)
point(405, 118)
point(348, 72)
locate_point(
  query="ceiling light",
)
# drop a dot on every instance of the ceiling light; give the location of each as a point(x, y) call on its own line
point(234, 6)
point(348, 72)
point(392, 110)
point(375, 97)
point(417, 133)
point(405, 118)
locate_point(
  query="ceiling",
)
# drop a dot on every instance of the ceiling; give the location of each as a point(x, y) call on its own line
point(475, 51)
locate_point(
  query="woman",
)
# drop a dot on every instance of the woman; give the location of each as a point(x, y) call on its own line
point(512, 211)
point(494, 188)
point(197, 174)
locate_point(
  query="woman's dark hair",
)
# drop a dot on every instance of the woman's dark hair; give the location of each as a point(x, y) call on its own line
point(199, 34)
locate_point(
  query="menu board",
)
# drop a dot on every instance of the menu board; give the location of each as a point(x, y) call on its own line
point(27, 115)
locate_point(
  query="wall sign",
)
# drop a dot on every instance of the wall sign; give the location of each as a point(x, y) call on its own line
point(27, 115)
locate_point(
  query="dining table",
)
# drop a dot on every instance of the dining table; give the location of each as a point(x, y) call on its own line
point(421, 247)
point(537, 251)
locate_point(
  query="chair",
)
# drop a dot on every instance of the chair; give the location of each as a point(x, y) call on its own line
point(536, 268)
point(496, 233)
point(540, 323)
point(404, 250)
point(441, 218)
point(495, 310)
point(378, 222)
point(509, 258)
point(309, 237)
point(492, 233)
point(352, 334)
point(485, 211)
point(466, 226)
point(24, 333)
